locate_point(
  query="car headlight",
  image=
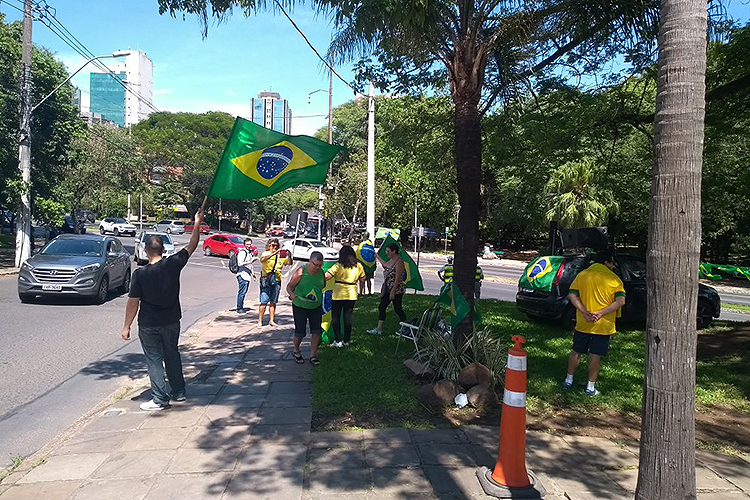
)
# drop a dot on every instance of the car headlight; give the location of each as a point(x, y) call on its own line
point(27, 266)
point(88, 269)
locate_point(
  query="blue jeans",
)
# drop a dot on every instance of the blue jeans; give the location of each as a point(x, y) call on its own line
point(160, 349)
point(241, 292)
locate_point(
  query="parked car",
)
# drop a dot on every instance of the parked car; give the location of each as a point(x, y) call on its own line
point(289, 232)
point(171, 226)
point(275, 232)
point(225, 245)
point(76, 265)
point(205, 228)
point(303, 247)
point(631, 269)
point(139, 251)
point(116, 226)
point(69, 226)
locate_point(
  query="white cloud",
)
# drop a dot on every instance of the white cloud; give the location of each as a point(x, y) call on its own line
point(162, 91)
point(232, 93)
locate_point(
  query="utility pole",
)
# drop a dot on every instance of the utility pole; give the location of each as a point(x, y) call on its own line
point(330, 141)
point(371, 162)
point(23, 224)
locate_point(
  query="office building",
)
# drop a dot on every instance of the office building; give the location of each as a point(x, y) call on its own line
point(110, 99)
point(271, 111)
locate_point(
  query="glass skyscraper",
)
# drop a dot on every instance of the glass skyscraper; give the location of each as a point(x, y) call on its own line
point(108, 97)
point(271, 111)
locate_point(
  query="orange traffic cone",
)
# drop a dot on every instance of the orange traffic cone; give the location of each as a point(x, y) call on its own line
point(510, 479)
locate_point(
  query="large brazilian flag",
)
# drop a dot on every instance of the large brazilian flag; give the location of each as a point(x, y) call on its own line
point(327, 323)
point(259, 162)
point(412, 278)
point(540, 273)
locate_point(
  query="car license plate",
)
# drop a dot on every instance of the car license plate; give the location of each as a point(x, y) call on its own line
point(53, 288)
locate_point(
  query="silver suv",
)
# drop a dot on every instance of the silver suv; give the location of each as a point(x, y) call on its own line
point(170, 226)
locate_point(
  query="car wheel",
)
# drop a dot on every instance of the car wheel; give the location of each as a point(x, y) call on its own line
point(103, 293)
point(26, 298)
point(101, 230)
point(125, 287)
point(116, 232)
point(207, 252)
point(568, 318)
point(705, 314)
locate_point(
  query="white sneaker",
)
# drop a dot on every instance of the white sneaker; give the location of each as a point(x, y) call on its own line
point(337, 343)
point(346, 344)
point(153, 406)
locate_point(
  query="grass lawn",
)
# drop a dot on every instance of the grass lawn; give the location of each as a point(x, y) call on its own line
point(736, 307)
point(365, 385)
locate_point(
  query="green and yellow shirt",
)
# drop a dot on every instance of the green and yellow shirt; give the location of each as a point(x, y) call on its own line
point(597, 288)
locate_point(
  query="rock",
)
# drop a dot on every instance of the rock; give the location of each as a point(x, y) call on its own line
point(474, 374)
point(482, 396)
point(426, 395)
point(446, 391)
point(415, 369)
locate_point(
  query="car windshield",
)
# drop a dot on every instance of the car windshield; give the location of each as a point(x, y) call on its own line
point(236, 239)
point(164, 238)
point(631, 269)
point(119, 221)
point(178, 223)
point(317, 244)
point(73, 247)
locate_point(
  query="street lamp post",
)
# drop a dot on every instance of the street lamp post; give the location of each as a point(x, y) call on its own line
point(330, 139)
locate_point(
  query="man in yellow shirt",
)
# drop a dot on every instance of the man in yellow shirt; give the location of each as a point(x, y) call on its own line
point(598, 295)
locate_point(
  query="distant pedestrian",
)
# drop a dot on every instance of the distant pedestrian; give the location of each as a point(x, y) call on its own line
point(445, 273)
point(597, 293)
point(271, 261)
point(347, 273)
point(478, 277)
point(366, 256)
point(155, 289)
point(245, 274)
point(305, 288)
point(393, 287)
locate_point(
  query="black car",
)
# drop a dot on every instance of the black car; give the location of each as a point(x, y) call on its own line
point(70, 226)
point(555, 305)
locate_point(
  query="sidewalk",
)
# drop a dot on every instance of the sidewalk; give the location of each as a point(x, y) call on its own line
point(244, 433)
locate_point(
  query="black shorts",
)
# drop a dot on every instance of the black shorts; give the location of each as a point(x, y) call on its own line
point(590, 343)
point(303, 317)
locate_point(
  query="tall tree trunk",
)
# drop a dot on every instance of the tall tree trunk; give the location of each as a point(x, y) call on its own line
point(667, 455)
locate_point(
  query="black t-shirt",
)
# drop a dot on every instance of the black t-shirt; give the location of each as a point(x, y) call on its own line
point(158, 287)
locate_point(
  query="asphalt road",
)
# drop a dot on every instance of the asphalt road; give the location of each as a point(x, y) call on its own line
point(59, 359)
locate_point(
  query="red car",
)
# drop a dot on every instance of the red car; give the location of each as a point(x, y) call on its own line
point(225, 244)
point(205, 229)
point(275, 232)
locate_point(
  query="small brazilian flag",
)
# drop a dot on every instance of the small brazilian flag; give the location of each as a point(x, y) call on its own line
point(258, 162)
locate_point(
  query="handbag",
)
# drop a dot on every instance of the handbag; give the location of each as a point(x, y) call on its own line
point(269, 279)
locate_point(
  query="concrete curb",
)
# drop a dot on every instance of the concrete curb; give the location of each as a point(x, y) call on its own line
point(8, 271)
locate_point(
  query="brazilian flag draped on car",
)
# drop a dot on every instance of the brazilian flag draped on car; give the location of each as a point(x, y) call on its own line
point(540, 274)
point(258, 162)
point(412, 279)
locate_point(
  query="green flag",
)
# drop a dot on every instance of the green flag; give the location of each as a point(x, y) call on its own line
point(541, 273)
point(259, 162)
point(412, 279)
point(451, 297)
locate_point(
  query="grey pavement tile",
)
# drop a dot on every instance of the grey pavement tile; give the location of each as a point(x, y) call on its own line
point(338, 481)
point(92, 442)
point(447, 454)
point(389, 455)
point(237, 400)
point(134, 464)
point(155, 439)
point(585, 482)
point(217, 437)
point(602, 451)
point(295, 433)
point(176, 416)
point(117, 422)
point(337, 458)
point(204, 460)
point(264, 353)
point(706, 479)
point(256, 387)
point(280, 416)
point(442, 436)
point(337, 439)
point(302, 388)
point(389, 436)
point(222, 416)
point(65, 467)
point(196, 401)
point(400, 481)
point(733, 469)
point(625, 478)
point(287, 401)
point(484, 456)
point(485, 435)
point(265, 485)
point(197, 389)
point(458, 480)
point(269, 456)
point(119, 489)
point(41, 491)
point(207, 486)
point(718, 495)
point(338, 496)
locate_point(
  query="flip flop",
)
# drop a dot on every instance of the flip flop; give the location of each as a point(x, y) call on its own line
point(314, 361)
point(298, 358)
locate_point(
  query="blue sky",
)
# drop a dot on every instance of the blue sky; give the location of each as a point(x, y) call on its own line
point(238, 59)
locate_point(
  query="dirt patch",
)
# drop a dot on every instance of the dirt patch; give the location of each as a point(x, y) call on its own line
point(721, 344)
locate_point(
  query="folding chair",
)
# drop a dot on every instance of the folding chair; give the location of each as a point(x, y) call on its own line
point(430, 319)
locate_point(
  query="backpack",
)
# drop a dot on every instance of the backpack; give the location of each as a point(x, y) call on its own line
point(234, 265)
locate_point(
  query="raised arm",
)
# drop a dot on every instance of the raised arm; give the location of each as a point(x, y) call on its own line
point(195, 236)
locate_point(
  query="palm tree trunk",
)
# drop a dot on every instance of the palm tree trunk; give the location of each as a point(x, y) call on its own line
point(667, 454)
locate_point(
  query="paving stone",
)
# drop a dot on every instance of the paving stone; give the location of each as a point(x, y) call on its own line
point(731, 468)
point(400, 481)
point(329, 482)
point(602, 451)
point(707, 479)
point(302, 388)
point(155, 439)
point(222, 416)
point(337, 458)
point(295, 433)
point(121, 422)
point(281, 416)
point(239, 400)
point(447, 454)
point(388, 455)
point(265, 485)
point(197, 389)
point(586, 482)
point(336, 439)
point(65, 467)
point(41, 491)
point(92, 442)
point(189, 486)
point(484, 456)
point(173, 417)
point(485, 435)
point(287, 401)
point(459, 480)
point(392, 436)
point(626, 479)
point(119, 489)
point(134, 464)
point(268, 456)
point(443, 436)
point(257, 387)
point(218, 437)
point(718, 495)
point(204, 460)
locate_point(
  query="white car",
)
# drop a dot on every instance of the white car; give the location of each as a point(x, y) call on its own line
point(116, 226)
point(139, 251)
point(303, 247)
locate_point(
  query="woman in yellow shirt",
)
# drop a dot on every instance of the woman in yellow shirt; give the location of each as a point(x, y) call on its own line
point(271, 262)
point(347, 273)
